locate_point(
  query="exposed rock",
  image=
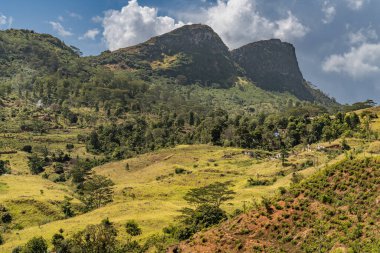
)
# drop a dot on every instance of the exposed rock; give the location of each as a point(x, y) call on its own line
point(272, 65)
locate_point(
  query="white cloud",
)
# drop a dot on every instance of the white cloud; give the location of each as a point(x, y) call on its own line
point(74, 15)
point(4, 20)
point(329, 12)
point(363, 35)
point(356, 4)
point(60, 29)
point(359, 62)
point(134, 24)
point(238, 22)
point(97, 19)
point(90, 34)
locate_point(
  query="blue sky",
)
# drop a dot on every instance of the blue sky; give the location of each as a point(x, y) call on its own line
point(337, 41)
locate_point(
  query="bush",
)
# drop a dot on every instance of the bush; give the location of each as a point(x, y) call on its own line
point(6, 218)
point(180, 171)
point(36, 164)
point(4, 167)
point(133, 228)
point(18, 249)
point(36, 245)
point(27, 149)
point(69, 146)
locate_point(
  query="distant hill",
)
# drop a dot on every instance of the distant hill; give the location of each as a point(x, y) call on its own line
point(24, 51)
point(336, 210)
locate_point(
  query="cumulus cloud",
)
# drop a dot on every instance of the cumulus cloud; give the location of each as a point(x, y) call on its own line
point(134, 24)
point(329, 12)
point(7, 21)
point(363, 35)
point(356, 4)
point(238, 22)
point(60, 29)
point(90, 34)
point(361, 61)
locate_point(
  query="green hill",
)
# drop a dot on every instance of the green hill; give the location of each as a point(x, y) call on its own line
point(336, 210)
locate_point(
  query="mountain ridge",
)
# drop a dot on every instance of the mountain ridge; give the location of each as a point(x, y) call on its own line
point(184, 52)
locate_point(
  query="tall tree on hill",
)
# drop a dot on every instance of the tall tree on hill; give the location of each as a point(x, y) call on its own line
point(97, 191)
point(214, 194)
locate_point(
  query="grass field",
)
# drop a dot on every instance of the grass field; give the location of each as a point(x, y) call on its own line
point(148, 190)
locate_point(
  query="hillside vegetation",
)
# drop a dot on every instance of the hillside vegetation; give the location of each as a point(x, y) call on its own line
point(139, 149)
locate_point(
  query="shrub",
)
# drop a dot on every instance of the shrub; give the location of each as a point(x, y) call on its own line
point(69, 146)
point(36, 245)
point(4, 167)
point(27, 149)
point(180, 171)
point(36, 164)
point(6, 218)
point(133, 228)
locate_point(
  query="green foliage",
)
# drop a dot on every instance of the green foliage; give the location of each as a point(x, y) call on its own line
point(95, 239)
point(133, 228)
point(67, 208)
point(35, 245)
point(97, 191)
point(36, 164)
point(214, 194)
point(4, 167)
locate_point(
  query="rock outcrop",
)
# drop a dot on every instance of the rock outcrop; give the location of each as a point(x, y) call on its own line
point(272, 65)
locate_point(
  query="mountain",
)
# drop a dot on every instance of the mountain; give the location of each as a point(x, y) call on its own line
point(272, 65)
point(193, 53)
point(24, 51)
point(196, 54)
point(336, 210)
point(44, 66)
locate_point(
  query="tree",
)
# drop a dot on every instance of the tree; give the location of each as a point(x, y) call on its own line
point(203, 216)
point(132, 228)
point(4, 167)
point(59, 243)
point(36, 245)
point(36, 164)
point(95, 239)
point(67, 207)
point(284, 154)
point(214, 194)
point(94, 143)
point(97, 191)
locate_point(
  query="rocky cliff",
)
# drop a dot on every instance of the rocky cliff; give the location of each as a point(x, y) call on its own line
point(272, 65)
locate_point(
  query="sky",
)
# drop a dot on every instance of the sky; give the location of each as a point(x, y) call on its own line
point(337, 41)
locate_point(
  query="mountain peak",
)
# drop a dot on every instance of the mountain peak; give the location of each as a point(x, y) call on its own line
point(195, 53)
point(272, 65)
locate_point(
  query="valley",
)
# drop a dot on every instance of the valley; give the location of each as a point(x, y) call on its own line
point(179, 145)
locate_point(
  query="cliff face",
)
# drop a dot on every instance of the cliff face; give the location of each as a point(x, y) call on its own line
point(273, 66)
point(194, 52)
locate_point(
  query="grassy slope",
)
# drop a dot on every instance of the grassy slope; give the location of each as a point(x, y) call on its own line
point(337, 210)
point(156, 201)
